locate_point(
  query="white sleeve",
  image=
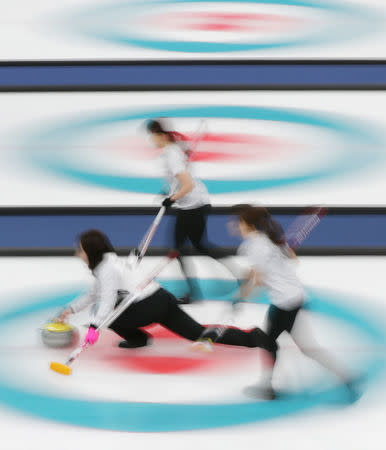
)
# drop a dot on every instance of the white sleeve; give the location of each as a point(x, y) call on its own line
point(83, 301)
point(176, 161)
point(109, 282)
point(255, 256)
point(258, 260)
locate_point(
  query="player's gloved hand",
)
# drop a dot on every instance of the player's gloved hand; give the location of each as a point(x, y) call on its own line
point(168, 202)
point(92, 336)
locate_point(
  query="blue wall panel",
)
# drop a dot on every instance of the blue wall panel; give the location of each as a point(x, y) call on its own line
point(45, 231)
point(195, 75)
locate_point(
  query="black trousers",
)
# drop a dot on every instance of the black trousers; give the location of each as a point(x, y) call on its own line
point(162, 307)
point(191, 224)
point(279, 320)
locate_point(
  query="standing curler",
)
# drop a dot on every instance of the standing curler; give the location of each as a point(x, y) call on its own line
point(187, 193)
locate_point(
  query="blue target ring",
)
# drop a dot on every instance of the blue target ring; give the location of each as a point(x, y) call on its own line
point(356, 23)
point(162, 417)
point(360, 148)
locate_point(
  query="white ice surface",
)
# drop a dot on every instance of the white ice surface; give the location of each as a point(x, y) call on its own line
point(357, 427)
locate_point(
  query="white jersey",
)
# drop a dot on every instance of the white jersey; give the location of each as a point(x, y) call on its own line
point(112, 275)
point(175, 162)
point(278, 274)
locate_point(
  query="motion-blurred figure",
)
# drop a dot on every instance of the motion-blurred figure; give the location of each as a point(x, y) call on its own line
point(187, 193)
point(270, 266)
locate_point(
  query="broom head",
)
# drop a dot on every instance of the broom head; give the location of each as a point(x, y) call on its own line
point(60, 368)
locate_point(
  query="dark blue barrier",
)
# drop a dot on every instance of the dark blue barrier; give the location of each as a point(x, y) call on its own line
point(192, 75)
point(363, 233)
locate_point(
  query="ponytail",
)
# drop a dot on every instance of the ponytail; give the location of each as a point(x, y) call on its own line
point(259, 218)
point(157, 127)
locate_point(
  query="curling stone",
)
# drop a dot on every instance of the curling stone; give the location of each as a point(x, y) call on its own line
point(59, 335)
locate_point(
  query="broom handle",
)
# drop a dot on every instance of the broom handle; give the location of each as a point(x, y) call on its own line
point(144, 245)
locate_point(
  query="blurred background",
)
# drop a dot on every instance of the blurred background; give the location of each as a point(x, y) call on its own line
point(283, 103)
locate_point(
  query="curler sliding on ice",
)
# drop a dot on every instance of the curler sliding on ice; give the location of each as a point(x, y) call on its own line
point(123, 304)
point(93, 332)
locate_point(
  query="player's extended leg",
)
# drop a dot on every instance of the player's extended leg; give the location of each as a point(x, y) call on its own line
point(303, 337)
point(178, 321)
point(278, 321)
point(197, 234)
point(180, 237)
point(191, 224)
point(305, 340)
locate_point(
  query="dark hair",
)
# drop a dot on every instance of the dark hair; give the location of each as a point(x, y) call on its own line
point(260, 218)
point(156, 127)
point(95, 244)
